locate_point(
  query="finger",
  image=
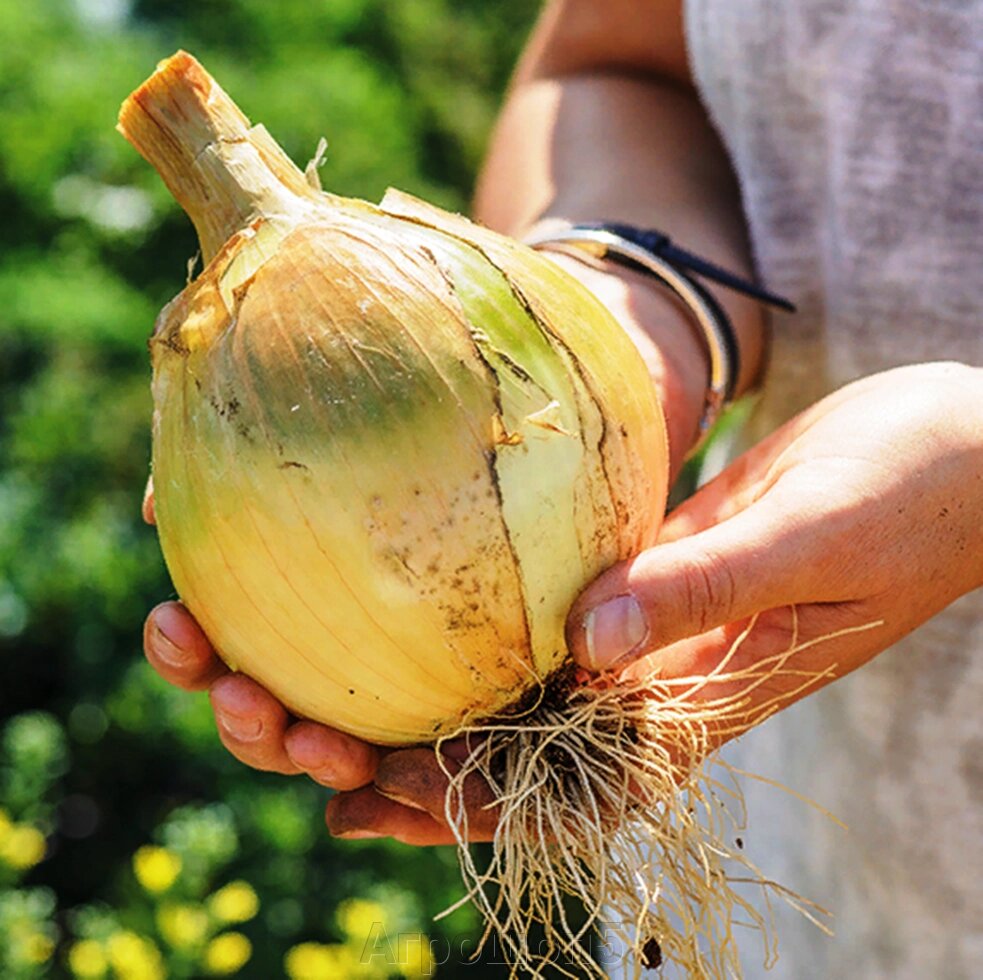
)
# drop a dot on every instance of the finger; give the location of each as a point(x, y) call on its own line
point(251, 723)
point(751, 670)
point(416, 778)
point(730, 492)
point(761, 558)
point(459, 749)
point(330, 757)
point(147, 507)
point(178, 650)
point(748, 477)
point(365, 814)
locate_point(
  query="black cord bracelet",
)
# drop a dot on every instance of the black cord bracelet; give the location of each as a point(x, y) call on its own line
point(661, 245)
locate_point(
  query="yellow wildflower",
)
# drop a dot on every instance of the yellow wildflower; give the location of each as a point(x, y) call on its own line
point(134, 957)
point(227, 953)
point(87, 959)
point(5, 824)
point(307, 961)
point(22, 846)
point(235, 902)
point(358, 916)
point(183, 926)
point(414, 958)
point(35, 948)
point(156, 868)
point(317, 961)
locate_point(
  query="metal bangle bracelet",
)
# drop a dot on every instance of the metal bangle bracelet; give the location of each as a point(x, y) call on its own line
point(715, 330)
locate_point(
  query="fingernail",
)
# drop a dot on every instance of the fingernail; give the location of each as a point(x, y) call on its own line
point(359, 835)
point(326, 777)
point(614, 629)
point(164, 647)
point(242, 729)
point(401, 800)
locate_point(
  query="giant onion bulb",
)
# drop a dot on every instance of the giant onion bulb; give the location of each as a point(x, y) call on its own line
point(390, 448)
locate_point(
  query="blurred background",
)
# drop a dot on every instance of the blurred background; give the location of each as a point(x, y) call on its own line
point(131, 845)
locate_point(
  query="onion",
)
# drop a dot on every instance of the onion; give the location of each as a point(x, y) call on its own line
point(390, 448)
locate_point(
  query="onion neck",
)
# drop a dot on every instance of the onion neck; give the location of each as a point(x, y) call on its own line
point(221, 170)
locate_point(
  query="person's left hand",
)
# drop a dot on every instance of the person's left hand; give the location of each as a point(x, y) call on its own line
point(865, 509)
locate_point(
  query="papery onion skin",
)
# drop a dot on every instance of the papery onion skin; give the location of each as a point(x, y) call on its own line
point(390, 446)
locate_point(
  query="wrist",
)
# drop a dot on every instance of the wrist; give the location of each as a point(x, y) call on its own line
point(664, 334)
point(682, 274)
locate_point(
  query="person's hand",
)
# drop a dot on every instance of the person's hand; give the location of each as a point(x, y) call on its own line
point(251, 723)
point(256, 728)
point(867, 508)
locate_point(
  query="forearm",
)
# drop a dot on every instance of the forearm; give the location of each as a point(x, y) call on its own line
point(577, 143)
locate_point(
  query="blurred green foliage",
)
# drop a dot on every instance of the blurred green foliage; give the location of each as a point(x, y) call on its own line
point(122, 821)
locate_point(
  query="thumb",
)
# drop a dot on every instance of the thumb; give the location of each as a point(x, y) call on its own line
point(758, 559)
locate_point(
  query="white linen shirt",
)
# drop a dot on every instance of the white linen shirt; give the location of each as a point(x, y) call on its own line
point(856, 131)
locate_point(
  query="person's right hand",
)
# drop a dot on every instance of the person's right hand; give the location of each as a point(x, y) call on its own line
point(256, 728)
point(252, 724)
